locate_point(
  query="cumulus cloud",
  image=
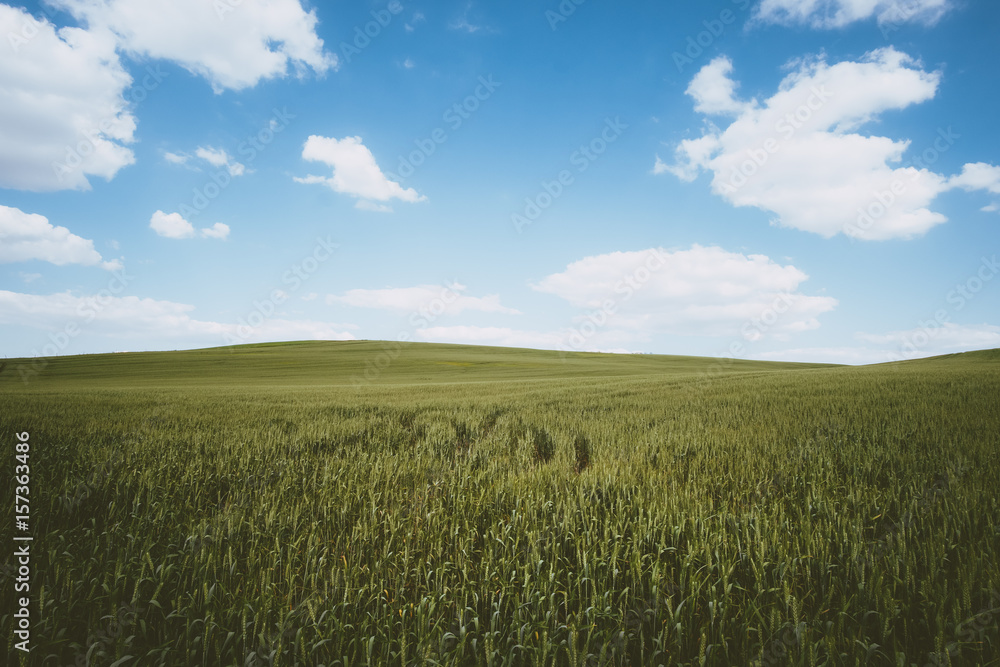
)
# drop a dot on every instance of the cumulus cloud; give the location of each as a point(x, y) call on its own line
point(624, 299)
point(436, 299)
point(839, 13)
point(800, 154)
point(233, 45)
point(355, 171)
point(64, 117)
point(978, 176)
point(28, 236)
point(171, 226)
point(714, 92)
point(130, 317)
point(699, 291)
point(174, 226)
point(217, 231)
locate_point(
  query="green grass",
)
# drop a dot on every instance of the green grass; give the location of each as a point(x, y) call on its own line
point(346, 363)
point(260, 505)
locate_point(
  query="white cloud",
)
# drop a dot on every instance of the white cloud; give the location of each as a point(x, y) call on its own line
point(217, 231)
point(171, 226)
point(978, 176)
point(839, 13)
point(216, 157)
point(233, 45)
point(800, 156)
point(123, 317)
point(436, 299)
point(355, 171)
point(990, 208)
point(63, 117)
point(409, 64)
point(174, 226)
point(714, 91)
point(29, 277)
point(28, 236)
point(661, 167)
point(626, 298)
point(220, 158)
point(704, 291)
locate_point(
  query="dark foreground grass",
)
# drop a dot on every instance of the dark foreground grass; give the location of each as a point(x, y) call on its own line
point(507, 507)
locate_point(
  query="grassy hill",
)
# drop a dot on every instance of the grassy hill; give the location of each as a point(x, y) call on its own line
point(361, 362)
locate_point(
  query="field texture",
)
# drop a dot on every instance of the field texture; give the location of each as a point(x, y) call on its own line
point(355, 504)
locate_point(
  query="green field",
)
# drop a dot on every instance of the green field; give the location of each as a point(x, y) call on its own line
point(272, 505)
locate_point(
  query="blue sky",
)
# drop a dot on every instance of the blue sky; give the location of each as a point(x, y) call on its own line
point(775, 179)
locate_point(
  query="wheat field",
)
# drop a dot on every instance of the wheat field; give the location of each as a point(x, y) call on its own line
point(272, 505)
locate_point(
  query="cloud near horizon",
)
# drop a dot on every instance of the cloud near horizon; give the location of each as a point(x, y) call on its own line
point(119, 317)
point(448, 299)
